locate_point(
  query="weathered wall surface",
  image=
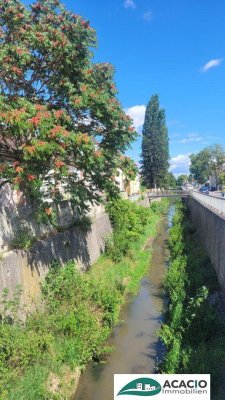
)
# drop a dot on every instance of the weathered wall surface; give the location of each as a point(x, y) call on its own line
point(14, 215)
point(151, 200)
point(144, 202)
point(211, 229)
point(28, 268)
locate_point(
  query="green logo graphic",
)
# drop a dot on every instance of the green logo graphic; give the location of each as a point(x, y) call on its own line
point(141, 387)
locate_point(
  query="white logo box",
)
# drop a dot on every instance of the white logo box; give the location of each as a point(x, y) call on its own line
point(162, 386)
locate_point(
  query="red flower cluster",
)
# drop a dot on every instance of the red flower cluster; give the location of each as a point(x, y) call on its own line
point(31, 177)
point(17, 180)
point(98, 153)
point(2, 168)
point(82, 138)
point(58, 129)
point(85, 23)
point(39, 107)
point(48, 210)
point(59, 164)
point(59, 113)
point(35, 120)
point(41, 143)
point(19, 169)
point(17, 70)
point(30, 149)
point(77, 101)
point(83, 88)
point(40, 115)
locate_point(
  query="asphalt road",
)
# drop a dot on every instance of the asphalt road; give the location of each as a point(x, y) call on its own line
point(213, 194)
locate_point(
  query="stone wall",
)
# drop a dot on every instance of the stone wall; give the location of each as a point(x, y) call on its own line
point(13, 219)
point(69, 242)
point(144, 202)
point(151, 200)
point(211, 229)
point(16, 212)
point(28, 268)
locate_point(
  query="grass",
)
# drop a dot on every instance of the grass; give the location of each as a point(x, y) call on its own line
point(132, 267)
point(79, 313)
point(193, 332)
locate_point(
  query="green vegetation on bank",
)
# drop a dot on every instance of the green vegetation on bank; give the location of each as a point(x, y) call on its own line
point(39, 359)
point(194, 332)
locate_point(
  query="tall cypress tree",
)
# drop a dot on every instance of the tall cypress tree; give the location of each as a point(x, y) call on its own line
point(155, 145)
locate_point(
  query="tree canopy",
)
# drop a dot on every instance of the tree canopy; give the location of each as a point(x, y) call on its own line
point(155, 145)
point(59, 110)
point(207, 162)
point(170, 181)
point(182, 179)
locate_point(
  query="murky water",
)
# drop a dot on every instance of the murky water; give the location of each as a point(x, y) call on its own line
point(135, 342)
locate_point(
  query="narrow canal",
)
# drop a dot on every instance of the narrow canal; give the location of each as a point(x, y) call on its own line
point(135, 343)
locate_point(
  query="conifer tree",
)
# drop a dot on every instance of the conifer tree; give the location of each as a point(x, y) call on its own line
point(155, 145)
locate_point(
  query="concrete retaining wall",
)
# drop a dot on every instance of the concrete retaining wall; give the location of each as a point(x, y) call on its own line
point(14, 216)
point(28, 268)
point(211, 228)
point(151, 200)
point(144, 202)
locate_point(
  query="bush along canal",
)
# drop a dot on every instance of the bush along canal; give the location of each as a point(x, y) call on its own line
point(134, 341)
point(41, 358)
point(194, 328)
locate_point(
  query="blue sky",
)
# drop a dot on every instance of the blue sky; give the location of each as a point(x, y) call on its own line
point(171, 47)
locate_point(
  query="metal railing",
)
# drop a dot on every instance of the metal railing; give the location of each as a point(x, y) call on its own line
point(215, 203)
point(168, 193)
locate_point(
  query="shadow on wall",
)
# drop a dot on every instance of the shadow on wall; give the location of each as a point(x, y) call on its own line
point(72, 244)
point(72, 239)
point(13, 217)
point(28, 268)
point(9, 197)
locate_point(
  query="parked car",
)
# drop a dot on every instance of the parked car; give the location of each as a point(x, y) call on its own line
point(204, 190)
point(212, 188)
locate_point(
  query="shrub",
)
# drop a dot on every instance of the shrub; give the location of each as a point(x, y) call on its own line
point(23, 239)
point(129, 221)
point(193, 332)
point(77, 314)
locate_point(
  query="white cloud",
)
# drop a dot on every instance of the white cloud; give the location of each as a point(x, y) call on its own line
point(193, 134)
point(180, 164)
point(175, 135)
point(211, 64)
point(129, 4)
point(147, 16)
point(212, 137)
point(177, 123)
point(173, 122)
point(137, 113)
point(191, 137)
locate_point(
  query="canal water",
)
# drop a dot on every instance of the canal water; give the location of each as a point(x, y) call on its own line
point(135, 343)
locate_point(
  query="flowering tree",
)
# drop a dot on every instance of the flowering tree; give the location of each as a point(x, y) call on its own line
point(58, 110)
point(129, 168)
